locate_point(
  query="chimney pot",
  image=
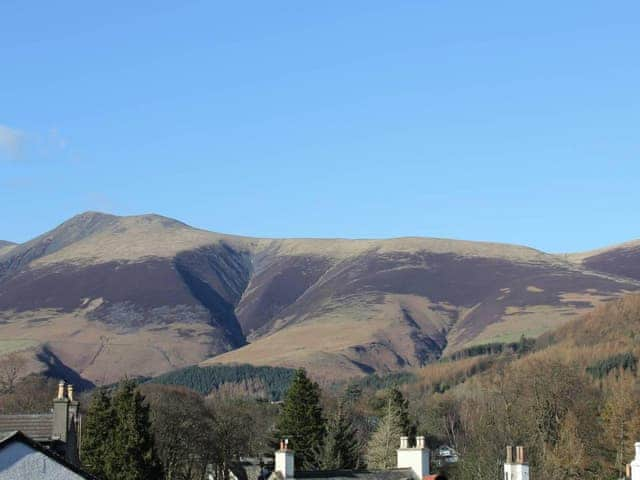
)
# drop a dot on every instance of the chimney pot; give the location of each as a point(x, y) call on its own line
point(70, 392)
point(284, 461)
point(60, 390)
point(420, 442)
point(517, 470)
point(404, 442)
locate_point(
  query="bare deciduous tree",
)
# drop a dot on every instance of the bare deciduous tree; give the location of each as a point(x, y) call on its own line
point(11, 367)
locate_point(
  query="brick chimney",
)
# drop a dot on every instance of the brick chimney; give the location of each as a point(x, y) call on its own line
point(518, 468)
point(416, 458)
point(285, 460)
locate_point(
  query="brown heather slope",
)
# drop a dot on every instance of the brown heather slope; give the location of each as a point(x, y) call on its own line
point(109, 295)
point(391, 306)
point(622, 260)
point(113, 295)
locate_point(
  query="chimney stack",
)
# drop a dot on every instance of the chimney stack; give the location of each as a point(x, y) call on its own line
point(518, 470)
point(417, 459)
point(60, 414)
point(66, 418)
point(285, 460)
point(635, 464)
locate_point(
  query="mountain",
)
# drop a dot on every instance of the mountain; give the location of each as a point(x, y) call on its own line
point(621, 260)
point(142, 295)
point(6, 246)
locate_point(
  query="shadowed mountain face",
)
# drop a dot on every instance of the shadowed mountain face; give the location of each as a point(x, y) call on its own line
point(108, 295)
point(623, 261)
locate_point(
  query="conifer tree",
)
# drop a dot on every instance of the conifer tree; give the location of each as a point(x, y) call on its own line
point(381, 451)
point(401, 407)
point(301, 420)
point(134, 456)
point(340, 447)
point(98, 431)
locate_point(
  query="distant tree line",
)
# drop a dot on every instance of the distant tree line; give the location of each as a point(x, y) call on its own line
point(524, 345)
point(621, 362)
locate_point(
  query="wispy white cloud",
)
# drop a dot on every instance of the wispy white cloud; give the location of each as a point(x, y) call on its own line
point(11, 142)
point(18, 145)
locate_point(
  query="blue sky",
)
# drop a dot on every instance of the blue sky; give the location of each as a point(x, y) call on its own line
point(478, 120)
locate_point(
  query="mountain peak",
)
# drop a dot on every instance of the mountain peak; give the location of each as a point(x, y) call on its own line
point(92, 218)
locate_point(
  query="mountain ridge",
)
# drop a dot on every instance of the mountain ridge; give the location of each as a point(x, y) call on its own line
point(148, 294)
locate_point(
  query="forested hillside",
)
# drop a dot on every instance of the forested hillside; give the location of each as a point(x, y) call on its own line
point(269, 383)
point(572, 400)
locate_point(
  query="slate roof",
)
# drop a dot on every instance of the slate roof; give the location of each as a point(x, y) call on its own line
point(7, 438)
point(38, 427)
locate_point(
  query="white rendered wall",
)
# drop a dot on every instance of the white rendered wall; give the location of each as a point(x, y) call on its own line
point(516, 471)
point(284, 463)
point(417, 459)
point(18, 461)
point(635, 464)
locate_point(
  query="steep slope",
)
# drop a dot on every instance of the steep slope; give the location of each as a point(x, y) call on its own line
point(621, 260)
point(347, 307)
point(135, 294)
point(110, 295)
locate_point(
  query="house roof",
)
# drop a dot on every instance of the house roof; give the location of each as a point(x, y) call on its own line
point(7, 438)
point(391, 474)
point(38, 427)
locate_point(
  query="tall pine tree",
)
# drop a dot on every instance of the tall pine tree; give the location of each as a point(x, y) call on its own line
point(135, 457)
point(117, 438)
point(301, 420)
point(401, 406)
point(98, 432)
point(340, 447)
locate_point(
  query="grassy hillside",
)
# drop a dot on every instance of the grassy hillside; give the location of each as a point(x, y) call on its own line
point(144, 295)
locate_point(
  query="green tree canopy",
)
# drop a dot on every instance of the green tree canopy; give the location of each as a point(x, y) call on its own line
point(340, 447)
point(98, 434)
point(400, 405)
point(301, 420)
point(118, 443)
